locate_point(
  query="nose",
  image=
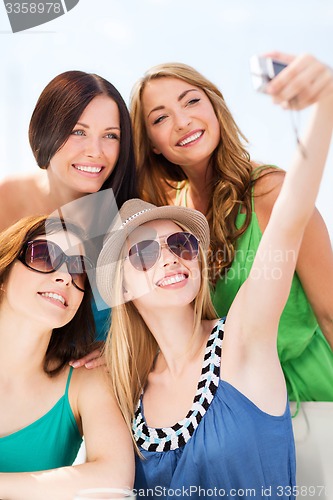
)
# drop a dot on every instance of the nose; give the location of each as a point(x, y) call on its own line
point(182, 120)
point(167, 257)
point(62, 276)
point(93, 147)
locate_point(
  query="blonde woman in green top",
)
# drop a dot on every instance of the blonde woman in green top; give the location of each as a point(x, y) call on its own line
point(46, 407)
point(190, 151)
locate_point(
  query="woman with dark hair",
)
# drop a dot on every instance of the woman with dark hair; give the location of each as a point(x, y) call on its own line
point(80, 134)
point(45, 320)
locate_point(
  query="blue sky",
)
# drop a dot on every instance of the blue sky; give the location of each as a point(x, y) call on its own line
point(120, 39)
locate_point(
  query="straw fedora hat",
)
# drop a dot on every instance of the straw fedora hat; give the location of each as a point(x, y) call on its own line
point(133, 214)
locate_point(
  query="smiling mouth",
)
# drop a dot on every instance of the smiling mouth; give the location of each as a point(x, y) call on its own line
point(89, 169)
point(191, 138)
point(54, 296)
point(171, 280)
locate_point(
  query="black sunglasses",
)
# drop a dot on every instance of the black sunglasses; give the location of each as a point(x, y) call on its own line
point(44, 256)
point(145, 254)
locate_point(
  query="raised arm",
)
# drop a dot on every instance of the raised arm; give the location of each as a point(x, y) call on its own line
point(315, 260)
point(290, 215)
point(254, 316)
point(110, 457)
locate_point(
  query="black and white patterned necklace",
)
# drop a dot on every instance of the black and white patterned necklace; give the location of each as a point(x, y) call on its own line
point(171, 438)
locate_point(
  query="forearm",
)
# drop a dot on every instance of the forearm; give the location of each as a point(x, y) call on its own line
point(299, 191)
point(63, 483)
point(290, 215)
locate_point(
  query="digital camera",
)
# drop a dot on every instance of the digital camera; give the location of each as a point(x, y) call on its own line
point(263, 70)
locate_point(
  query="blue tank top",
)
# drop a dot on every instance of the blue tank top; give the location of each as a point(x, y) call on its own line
point(102, 318)
point(51, 441)
point(224, 447)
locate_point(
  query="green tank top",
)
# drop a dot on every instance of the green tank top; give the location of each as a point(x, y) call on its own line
point(305, 355)
point(51, 441)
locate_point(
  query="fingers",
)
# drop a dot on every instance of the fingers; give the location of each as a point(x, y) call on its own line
point(95, 363)
point(91, 360)
point(304, 82)
point(319, 89)
point(280, 56)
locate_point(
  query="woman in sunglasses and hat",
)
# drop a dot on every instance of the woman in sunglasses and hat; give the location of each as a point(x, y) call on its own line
point(45, 320)
point(206, 399)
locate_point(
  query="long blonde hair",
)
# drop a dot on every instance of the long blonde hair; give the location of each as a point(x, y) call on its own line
point(130, 348)
point(232, 168)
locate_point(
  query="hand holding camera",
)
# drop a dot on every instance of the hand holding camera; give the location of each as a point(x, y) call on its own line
point(293, 82)
point(263, 70)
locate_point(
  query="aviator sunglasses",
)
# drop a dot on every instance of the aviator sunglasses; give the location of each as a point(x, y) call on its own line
point(45, 256)
point(144, 254)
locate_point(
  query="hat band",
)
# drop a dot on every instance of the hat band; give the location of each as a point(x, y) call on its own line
point(134, 216)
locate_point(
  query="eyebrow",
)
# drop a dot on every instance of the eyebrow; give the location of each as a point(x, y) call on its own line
point(180, 97)
point(87, 126)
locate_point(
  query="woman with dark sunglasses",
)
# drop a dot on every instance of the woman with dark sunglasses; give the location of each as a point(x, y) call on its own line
point(80, 134)
point(206, 399)
point(46, 407)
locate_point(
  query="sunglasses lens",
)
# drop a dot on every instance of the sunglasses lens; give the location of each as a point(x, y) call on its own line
point(78, 265)
point(46, 257)
point(144, 254)
point(41, 256)
point(184, 245)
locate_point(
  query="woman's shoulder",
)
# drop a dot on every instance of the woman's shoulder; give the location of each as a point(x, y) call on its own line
point(87, 381)
point(88, 385)
point(266, 175)
point(19, 179)
point(18, 197)
point(85, 375)
point(268, 180)
point(19, 185)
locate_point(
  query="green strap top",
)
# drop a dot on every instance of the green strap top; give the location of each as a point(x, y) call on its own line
point(51, 441)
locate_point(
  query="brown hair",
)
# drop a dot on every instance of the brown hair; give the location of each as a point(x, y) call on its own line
point(56, 113)
point(232, 168)
point(75, 339)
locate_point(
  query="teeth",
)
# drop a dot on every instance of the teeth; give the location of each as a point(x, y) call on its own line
point(192, 138)
point(172, 279)
point(54, 296)
point(84, 168)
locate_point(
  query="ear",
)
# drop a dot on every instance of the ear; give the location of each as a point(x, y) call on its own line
point(127, 295)
point(154, 149)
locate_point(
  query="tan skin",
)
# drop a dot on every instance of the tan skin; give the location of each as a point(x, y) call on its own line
point(170, 391)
